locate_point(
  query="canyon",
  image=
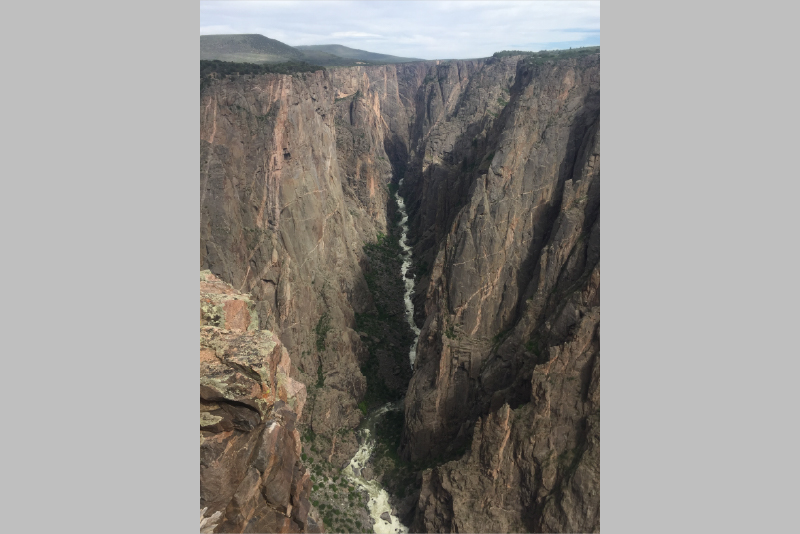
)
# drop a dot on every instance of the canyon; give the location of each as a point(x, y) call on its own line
point(424, 235)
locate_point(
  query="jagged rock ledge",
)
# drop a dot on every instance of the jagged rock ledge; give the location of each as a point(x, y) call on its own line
point(251, 477)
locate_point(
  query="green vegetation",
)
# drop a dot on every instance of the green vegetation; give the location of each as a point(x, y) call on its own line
point(227, 68)
point(422, 269)
point(500, 336)
point(535, 346)
point(269, 116)
point(320, 377)
point(550, 54)
point(339, 502)
point(388, 336)
point(323, 325)
point(501, 101)
point(252, 47)
point(450, 332)
point(216, 69)
point(363, 407)
point(399, 475)
point(346, 52)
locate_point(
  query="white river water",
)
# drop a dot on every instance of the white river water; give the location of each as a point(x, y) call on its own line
point(378, 497)
point(409, 282)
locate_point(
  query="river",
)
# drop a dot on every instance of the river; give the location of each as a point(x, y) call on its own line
point(378, 497)
point(409, 282)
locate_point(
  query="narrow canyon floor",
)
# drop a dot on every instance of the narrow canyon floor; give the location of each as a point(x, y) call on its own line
point(372, 491)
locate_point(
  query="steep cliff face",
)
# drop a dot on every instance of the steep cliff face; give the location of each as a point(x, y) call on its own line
point(528, 208)
point(514, 293)
point(501, 174)
point(535, 468)
point(284, 217)
point(251, 478)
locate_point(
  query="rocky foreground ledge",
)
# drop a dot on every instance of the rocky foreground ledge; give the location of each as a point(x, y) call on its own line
point(251, 477)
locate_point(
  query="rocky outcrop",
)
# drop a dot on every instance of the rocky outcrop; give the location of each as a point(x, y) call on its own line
point(251, 477)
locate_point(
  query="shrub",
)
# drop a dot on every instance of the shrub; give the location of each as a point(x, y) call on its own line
point(323, 325)
point(320, 377)
point(216, 69)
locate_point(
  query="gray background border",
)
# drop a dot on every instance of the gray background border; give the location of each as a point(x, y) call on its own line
point(100, 224)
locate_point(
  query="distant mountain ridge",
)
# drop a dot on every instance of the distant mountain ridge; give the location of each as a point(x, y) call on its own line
point(354, 53)
point(252, 48)
point(256, 48)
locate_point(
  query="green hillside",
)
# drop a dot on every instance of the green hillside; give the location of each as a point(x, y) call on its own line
point(355, 54)
point(318, 57)
point(251, 48)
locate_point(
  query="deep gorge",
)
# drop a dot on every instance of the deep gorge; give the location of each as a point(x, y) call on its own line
point(497, 161)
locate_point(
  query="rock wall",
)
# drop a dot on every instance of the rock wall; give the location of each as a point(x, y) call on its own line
point(288, 200)
point(251, 477)
point(513, 292)
point(500, 160)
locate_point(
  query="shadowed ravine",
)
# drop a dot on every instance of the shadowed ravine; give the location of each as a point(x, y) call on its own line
point(409, 282)
point(378, 497)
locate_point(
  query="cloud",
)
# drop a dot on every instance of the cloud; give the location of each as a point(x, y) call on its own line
point(354, 34)
point(423, 29)
point(217, 29)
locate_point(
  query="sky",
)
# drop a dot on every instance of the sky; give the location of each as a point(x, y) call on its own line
point(419, 29)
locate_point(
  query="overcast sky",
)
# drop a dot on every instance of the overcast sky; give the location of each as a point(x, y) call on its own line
point(421, 29)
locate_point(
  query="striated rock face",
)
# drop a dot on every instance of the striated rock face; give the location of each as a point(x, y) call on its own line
point(512, 308)
point(251, 478)
point(501, 165)
point(284, 218)
point(533, 469)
